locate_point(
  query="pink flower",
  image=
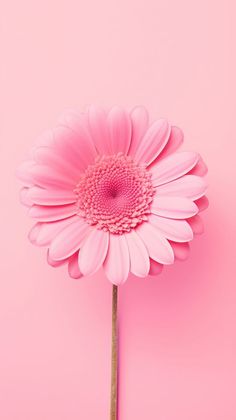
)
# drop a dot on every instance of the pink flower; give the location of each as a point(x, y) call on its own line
point(109, 189)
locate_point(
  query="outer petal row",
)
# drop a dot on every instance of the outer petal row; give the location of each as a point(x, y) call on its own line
point(140, 252)
point(117, 131)
point(173, 207)
point(111, 133)
point(173, 166)
point(117, 262)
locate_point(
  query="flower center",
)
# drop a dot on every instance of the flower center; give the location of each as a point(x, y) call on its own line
point(114, 193)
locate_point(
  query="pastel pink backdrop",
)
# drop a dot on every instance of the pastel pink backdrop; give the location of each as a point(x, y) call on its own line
point(177, 331)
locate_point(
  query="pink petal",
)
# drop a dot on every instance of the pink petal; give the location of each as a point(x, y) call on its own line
point(139, 258)
point(155, 268)
point(52, 213)
point(73, 267)
point(69, 240)
point(24, 197)
point(93, 251)
point(48, 156)
point(173, 207)
point(202, 203)
point(153, 142)
point(76, 139)
point(189, 186)
point(51, 197)
point(175, 140)
point(181, 250)
point(139, 119)
point(45, 176)
point(55, 263)
point(120, 130)
point(34, 232)
point(66, 146)
point(117, 262)
point(99, 130)
point(76, 118)
point(48, 231)
point(158, 247)
point(173, 167)
point(196, 224)
point(199, 169)
point(45, 139)
point(24, 172)
point(175, 230)
point(64, 117)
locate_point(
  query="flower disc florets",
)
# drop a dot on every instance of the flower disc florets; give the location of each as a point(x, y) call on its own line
point(115, 193)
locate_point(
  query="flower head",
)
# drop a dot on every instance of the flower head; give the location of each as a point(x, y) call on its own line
point(109, 189)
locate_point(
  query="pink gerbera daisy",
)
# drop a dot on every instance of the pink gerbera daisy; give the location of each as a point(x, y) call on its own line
point(108, 189)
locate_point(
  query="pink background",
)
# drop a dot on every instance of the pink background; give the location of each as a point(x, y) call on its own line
point(177, 331)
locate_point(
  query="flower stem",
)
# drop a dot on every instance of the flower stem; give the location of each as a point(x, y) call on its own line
point(114, 355)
